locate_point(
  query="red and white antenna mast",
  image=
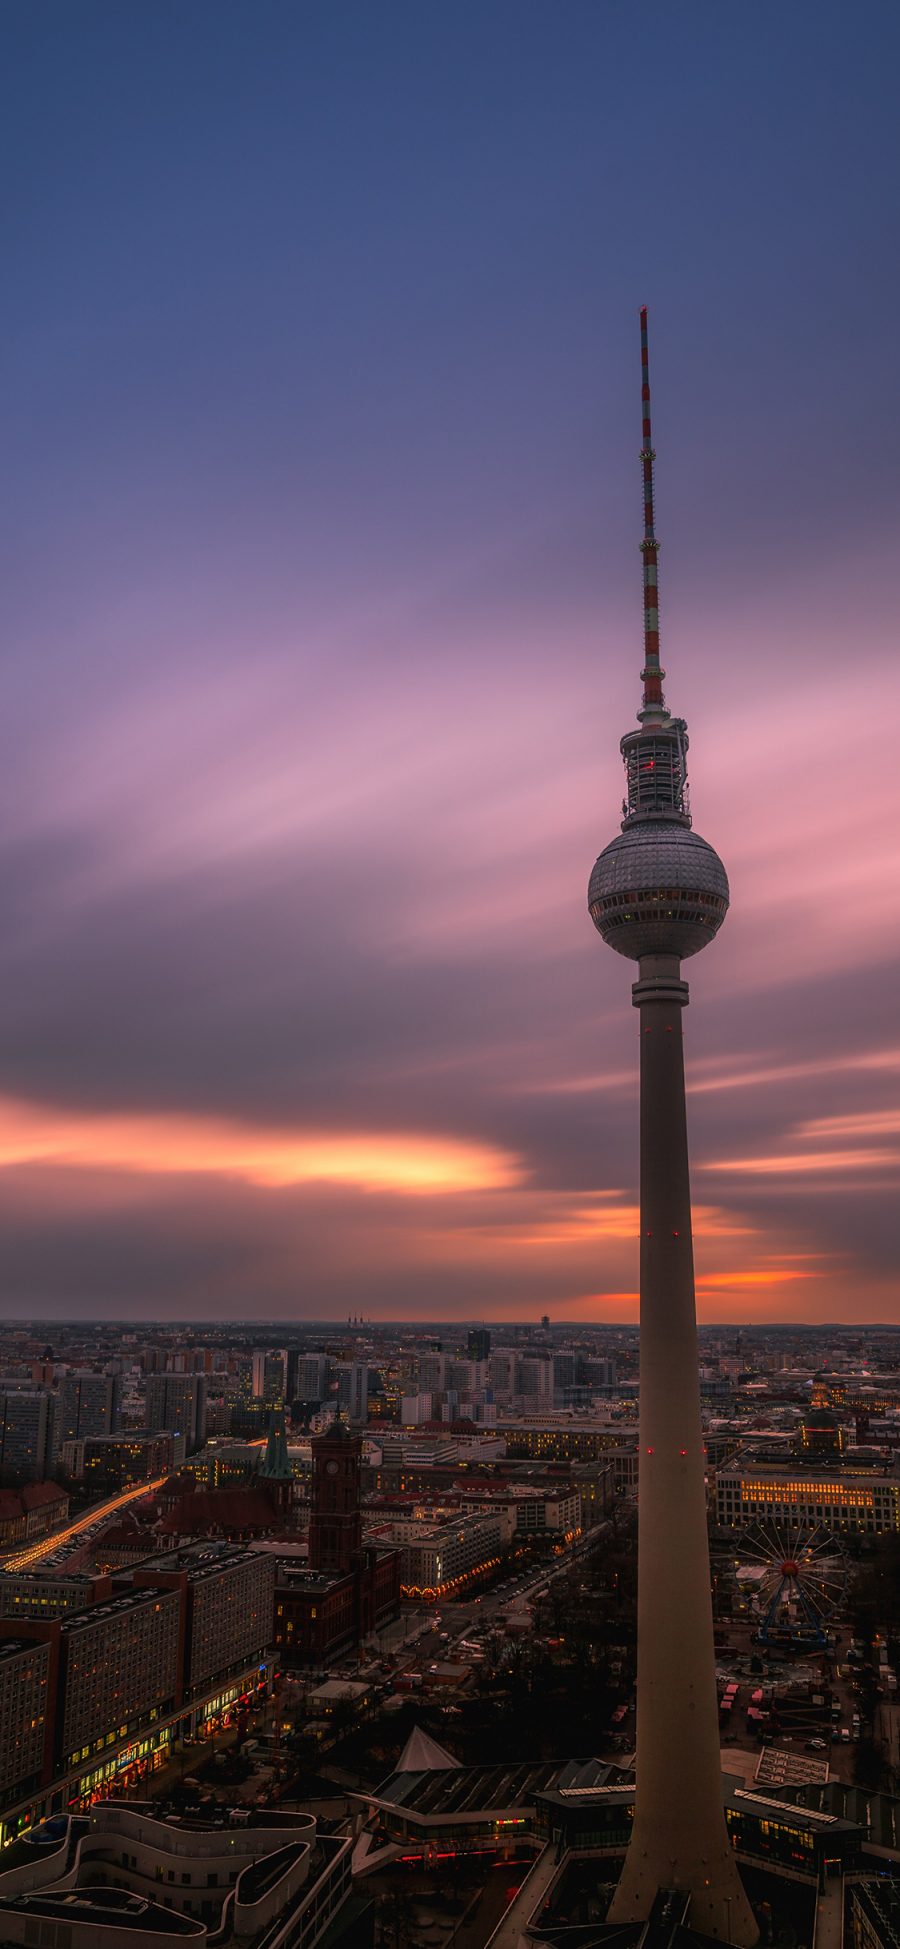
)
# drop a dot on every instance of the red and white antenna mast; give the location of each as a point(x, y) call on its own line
point(654, 705)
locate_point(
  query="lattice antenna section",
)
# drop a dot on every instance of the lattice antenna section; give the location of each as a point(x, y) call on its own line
point(656, 755)
point(654, 705)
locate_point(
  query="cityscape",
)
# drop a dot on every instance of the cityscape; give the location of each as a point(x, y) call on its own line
point(449, 1406)
point(293, 1620)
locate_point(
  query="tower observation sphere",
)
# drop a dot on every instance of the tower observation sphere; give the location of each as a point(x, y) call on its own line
point(658, 894)
point(658, 888)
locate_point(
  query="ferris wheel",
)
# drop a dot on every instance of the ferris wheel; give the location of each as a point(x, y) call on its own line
point(794, 1580)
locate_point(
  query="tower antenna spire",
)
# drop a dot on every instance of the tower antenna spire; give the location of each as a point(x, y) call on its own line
point(654, 705)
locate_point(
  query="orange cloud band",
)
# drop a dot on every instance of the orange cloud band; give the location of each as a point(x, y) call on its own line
point(803, 1163)
point(408, 1163)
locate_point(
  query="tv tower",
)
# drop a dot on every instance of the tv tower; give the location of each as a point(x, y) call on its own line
point(657, 894)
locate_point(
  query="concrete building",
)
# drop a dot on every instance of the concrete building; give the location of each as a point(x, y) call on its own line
point(439, 1558)
point(172, 1646)
point(89, 1404)
point(118, 1672)
point(25, 1699)
point(353, 1392)
point(562, 1438)
point(847, 1500)
point(31, 1512)
point(534, 1379)
point(46, 1591)
point(28, 1433)
point(176, 1404)
point(270, 1377)
point(111, 1462)
point(555, 1514)
point(227, 1594)
point(309, 1376)
point(658, 893)
point(875, 1914)
point(136, 1875)
point(12, 1519)
point(430, 1369)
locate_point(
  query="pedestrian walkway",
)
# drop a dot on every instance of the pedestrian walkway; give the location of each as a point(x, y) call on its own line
point(534, 1888)
point(830, 1916)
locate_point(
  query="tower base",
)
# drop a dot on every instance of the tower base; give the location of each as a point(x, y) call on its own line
point(718, 1903)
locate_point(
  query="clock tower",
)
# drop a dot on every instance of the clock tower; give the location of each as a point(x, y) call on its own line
point(335, 1524)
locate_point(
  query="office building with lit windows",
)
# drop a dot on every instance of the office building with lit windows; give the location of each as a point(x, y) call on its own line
point(112, 1462)
point(170, 1649)
point(24, 1707)
point(28, 1432)
point(839, 1499)
point(227, 1592)
point(89, 1404)
point(440, 1558)
point(176, 1404)
point(118, 1671)
point(48, 1590)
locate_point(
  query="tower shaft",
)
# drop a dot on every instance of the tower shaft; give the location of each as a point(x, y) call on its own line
point(679, 1838)
point(657, 894)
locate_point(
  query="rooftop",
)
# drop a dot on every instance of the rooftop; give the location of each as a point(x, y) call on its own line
point(130, 1600)
point(469, 1790)
point(113, 1907)
point(201, 1560)
point(13, 1647)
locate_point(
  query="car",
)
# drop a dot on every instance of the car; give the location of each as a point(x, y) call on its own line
point(432, 1670)
point(816, 1746)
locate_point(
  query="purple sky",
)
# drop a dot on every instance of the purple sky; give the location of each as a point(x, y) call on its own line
point(321, 625)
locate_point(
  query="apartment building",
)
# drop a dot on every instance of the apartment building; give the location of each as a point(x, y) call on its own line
point(24, 1707)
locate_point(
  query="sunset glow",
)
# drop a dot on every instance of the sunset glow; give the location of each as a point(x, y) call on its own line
point(409, 1165)
point(788, 1164)
point(323, 620)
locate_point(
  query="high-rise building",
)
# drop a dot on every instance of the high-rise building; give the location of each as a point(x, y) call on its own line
point(534, 1378)
point(353, 1393)
point(27, 1433)
point(228, 1596)
point(430, 1372)
point(89, 1404)
point(120, 1668)
point(25, 1705)
point(659, 893)
point(270, 1376)
point(308, 1376)
point(103, 1680)
point(176, 1405)
point(502, 1371)
point(478, 1343)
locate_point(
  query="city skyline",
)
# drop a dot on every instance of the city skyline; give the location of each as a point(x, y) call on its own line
point(320, 625)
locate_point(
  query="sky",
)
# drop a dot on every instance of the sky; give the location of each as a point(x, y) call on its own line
point(320, 615)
